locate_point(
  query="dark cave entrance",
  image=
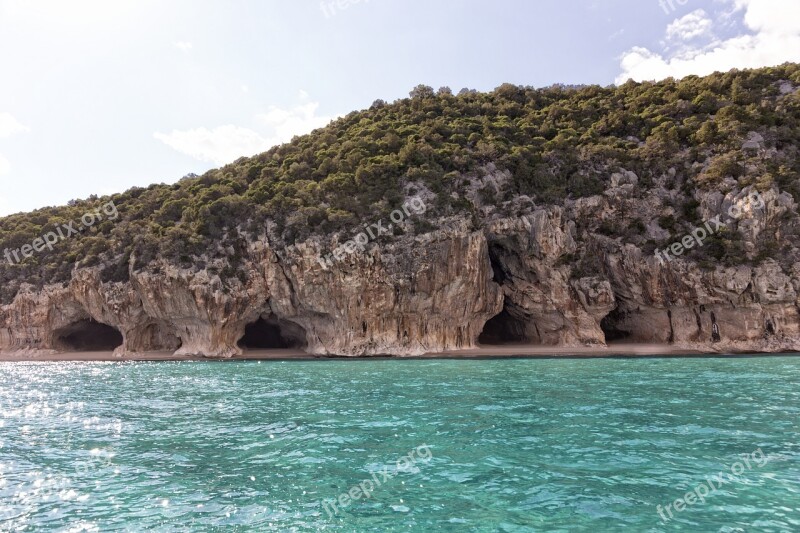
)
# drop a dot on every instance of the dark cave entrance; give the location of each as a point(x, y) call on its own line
point(273, 334)
point(504, 328)
point(511, 325)
point(88, 336)
point(611, 330)
point(500, 273)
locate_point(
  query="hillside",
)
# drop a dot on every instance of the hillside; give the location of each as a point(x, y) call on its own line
point(584, 172)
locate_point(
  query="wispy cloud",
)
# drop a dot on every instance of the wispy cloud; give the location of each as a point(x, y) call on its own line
point(616, 34)
point(690, 26)
point(184, 46)
point(286, 123)
point(220, 145)
point(773, 37)
point(224, 144)
point(10, 126)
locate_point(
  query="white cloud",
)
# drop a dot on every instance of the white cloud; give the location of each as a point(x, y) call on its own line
point(224, 144)
point(286, 123)
point(219, 146)
point(184, 46)
point(10, 126)
point(781, 17)
point(773, 38)
point(690, 26)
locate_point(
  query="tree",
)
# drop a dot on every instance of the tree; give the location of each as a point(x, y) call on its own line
point(511, 92)
point(739, 94)
point(708, 132)
point(422, 91)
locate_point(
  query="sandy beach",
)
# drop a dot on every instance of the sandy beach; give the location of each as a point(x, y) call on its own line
point(532, 350)
point(522, 351)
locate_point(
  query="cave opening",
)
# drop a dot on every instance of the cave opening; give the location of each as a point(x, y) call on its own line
point(610, 326)
point(504, 328)
point(511, 325)
point(499, 272)
point(88, 336)
point(158, 337)
point(273, 334)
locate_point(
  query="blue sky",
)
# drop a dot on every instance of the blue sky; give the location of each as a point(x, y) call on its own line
point(99, 95)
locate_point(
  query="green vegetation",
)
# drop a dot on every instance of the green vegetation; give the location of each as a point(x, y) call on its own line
point(556, 142)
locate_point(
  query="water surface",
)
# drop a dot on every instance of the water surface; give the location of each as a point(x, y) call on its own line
point(515, 445)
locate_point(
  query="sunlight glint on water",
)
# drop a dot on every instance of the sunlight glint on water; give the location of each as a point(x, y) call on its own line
point(517, 445)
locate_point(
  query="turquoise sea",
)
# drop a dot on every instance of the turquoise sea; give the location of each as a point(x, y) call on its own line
point(472, 445)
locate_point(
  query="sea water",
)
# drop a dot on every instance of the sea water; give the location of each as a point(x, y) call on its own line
point(447, 445)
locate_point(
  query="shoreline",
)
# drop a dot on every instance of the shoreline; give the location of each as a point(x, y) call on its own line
point(614, 351)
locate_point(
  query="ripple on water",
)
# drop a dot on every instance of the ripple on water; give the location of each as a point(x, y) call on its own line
point(517, 445)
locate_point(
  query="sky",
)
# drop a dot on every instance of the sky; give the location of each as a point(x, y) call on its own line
point(97, 96)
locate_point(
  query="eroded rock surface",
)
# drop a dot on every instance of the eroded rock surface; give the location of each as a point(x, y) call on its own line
point(425, 294)
point(547, 276)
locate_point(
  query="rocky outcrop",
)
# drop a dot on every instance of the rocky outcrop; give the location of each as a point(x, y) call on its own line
point(721, 310)
point(425, 294)
point(546, 276)
point(528, 255)
point(120, 306)
point(208, 318)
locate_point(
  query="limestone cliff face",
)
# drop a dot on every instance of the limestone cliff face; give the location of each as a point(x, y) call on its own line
point(712, 309)
point(427, 294)
point(546, 276)
point(208, 318)
point(722, 310)
point(540, 295)
point(424, 294)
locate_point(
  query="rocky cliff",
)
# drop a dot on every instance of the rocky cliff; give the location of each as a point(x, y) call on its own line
point(431, 294)
point(516, 279)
